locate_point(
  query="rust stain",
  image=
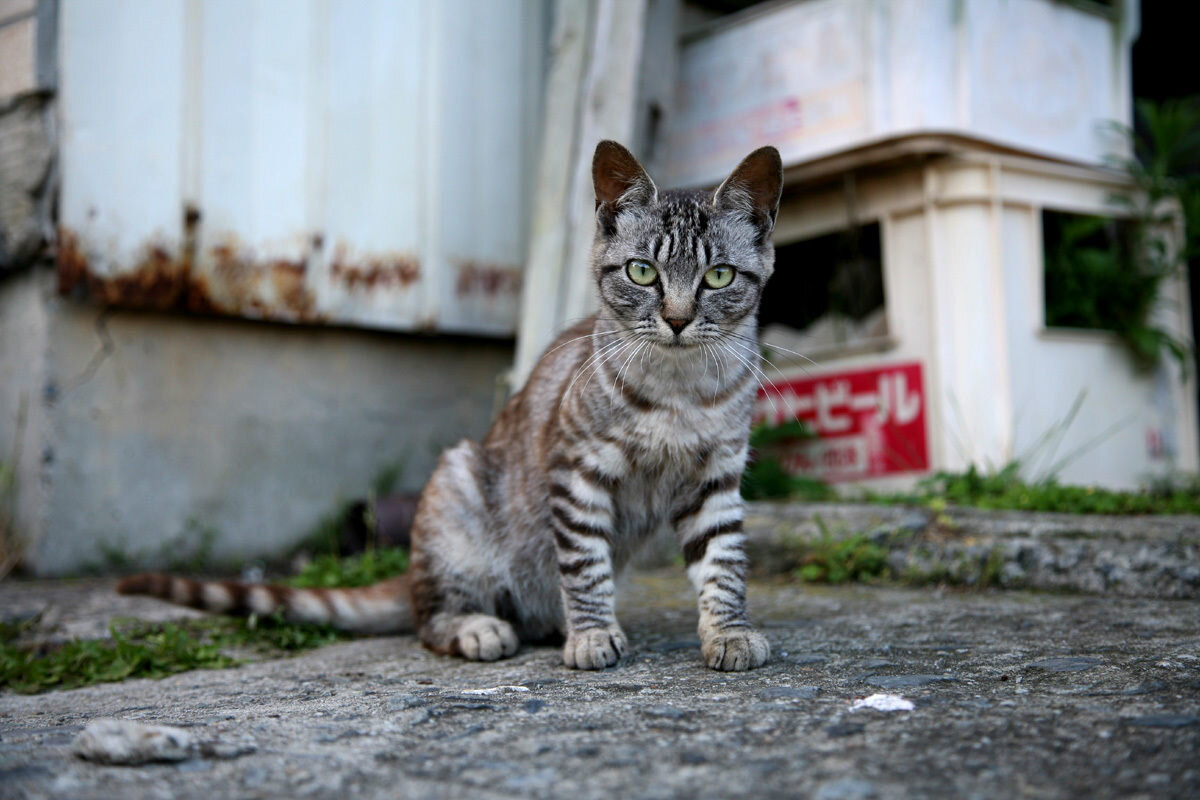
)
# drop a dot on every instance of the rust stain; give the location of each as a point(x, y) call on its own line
point(70, 262)
point(392, 270)
point(275, 289)
point(160, 281)
point(288, 279)
point(490, 280)
point(157, 281)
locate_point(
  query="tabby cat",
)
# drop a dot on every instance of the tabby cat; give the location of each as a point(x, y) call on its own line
point(634, 418)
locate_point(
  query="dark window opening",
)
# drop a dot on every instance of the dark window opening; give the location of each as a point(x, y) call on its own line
point(1091, 279)
point(827, 292)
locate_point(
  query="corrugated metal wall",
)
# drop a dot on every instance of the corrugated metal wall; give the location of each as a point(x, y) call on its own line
point(364, 162)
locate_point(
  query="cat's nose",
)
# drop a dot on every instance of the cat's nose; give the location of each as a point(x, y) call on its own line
point(677, 323)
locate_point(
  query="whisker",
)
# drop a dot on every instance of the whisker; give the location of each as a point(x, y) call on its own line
point(601, 362)
point(759, 343)
point(612, 393)
point(755, 372)
point(594, 358)
point(577, 338)
point(783, 350)
point(790, 352)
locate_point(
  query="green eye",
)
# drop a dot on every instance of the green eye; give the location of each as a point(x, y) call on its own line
point(641, 273)
point(719, 277)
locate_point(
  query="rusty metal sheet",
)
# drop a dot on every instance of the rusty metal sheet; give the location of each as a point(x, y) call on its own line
point(301, 161)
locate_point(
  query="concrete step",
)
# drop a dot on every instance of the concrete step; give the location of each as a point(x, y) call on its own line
point(1146, 556)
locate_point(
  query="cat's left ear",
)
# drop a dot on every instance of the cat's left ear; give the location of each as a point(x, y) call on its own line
point(754, 188)
point(620, 182)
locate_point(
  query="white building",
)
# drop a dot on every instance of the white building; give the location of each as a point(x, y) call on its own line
point(928, 141)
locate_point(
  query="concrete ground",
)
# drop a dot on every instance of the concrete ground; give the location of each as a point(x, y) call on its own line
point(1015, 694)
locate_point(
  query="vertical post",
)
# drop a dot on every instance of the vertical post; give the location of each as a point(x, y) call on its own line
point(591, 94)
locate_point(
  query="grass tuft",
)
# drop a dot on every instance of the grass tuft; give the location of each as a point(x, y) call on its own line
point(364, 569)
point(1005, 490)
point(833, 560)
point(139, 649)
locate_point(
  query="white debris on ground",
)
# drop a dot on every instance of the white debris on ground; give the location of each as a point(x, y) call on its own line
point(117, 741)
point(496, 690)
point(882, 702)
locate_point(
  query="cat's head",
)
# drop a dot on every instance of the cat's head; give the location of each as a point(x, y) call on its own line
point(682, 268)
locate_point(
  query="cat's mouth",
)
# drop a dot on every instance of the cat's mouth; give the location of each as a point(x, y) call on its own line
point(676, 343)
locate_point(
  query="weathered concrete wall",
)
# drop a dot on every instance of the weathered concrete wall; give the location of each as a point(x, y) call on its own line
point(27, 176)
point(146, 430)
point(23, 341)
point(141, 435)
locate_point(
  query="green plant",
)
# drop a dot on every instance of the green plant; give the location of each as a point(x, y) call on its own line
point(1100, 276)
point(138, 649)
point(81, 662)
point(1107, 275)
point(764, 434)
point(832, 560)
point(369, 567)
point(1006, 490)
point(766, 477)
point(992, 572)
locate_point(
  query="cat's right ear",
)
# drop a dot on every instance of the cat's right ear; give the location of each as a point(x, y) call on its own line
point(754, 189)
point(620, 182)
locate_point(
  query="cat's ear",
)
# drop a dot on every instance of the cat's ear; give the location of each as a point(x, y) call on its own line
point(754, 188)
point(620, 182)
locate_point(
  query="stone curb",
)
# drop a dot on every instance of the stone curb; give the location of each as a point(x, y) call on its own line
point(1151, 556)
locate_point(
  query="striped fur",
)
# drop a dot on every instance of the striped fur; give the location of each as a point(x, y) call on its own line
point(381, 608)
point(625, 425)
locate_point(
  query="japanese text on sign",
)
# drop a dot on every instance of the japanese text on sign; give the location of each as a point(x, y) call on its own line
point(869, 423)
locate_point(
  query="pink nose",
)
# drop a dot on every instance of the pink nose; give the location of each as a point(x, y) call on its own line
point(677, 323)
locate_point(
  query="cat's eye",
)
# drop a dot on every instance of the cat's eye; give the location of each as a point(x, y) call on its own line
point(719, 277)
point(641, 272)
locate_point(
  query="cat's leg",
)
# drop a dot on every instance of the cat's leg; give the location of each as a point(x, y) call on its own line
point(581, 507)
point(452, 579)
point(709, 526)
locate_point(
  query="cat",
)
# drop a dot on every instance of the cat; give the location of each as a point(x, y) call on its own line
point(635, 418)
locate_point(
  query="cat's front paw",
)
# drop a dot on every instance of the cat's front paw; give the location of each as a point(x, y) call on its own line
point(595, 649)
point(735, 651)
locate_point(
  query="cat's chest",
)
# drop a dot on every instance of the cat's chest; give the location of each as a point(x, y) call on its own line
point(671, 433)
point(667, 454)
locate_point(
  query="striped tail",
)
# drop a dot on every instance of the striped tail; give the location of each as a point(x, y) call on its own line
point(381, 608)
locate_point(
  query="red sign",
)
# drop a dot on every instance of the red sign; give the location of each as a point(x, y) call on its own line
point(869, 423)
